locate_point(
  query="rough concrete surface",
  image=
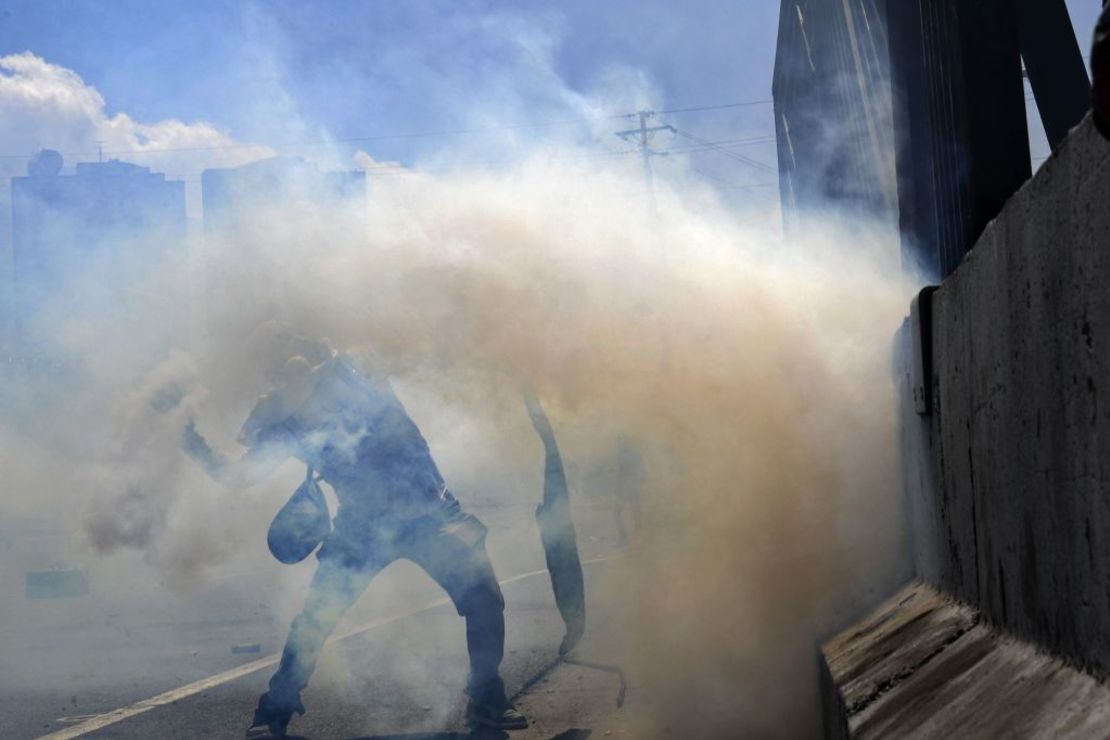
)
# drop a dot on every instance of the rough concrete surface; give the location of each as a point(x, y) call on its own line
point(922, 666)
point(1020, 517)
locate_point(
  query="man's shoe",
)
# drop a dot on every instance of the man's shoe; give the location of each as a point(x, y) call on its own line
point(271, 721)
point(265, 732)
point(497, 716)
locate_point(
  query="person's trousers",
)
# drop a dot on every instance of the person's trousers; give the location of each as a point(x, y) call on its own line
point(453, 553)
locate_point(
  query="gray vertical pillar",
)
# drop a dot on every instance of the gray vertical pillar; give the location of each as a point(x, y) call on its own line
point(993, 103)
point(1054, 64)
point(963, 146)
point(913, 134)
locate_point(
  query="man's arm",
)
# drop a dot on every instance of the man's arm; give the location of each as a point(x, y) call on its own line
point(252, 468)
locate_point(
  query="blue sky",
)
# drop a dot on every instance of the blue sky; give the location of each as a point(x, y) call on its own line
point(199, 58)
point(344, 62)
point(285, 72)
point(282, 72)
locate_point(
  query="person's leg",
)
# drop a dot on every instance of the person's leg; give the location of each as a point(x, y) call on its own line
point(455, 556)
point(334, 588)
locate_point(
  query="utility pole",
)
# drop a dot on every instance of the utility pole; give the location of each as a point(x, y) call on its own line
point(643, 133)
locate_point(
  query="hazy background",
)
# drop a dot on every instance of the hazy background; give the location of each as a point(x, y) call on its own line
point(507, 235)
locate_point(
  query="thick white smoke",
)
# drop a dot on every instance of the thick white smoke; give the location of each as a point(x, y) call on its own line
point(753, 371)
point(756, 371)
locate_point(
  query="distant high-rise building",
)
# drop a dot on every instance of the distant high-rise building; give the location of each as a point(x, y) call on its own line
point(234, 197)
point(69, 230)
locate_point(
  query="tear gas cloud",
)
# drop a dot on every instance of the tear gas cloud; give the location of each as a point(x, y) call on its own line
point(752, 371)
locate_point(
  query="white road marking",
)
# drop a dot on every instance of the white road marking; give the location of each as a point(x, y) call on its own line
point(100, 721)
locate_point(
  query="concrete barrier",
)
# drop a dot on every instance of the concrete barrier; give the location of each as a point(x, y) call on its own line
point(1006, 440)
point(1021, 418)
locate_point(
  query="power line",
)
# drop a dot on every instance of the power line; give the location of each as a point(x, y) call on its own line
point(752, 186)
point(723, 106)
point(724, 143)
point(706, 175)
point(731, 154)
point(388, 169)
point(726, 185)
point(412, 134)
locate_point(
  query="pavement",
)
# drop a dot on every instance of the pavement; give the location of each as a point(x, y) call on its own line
point(925, 666)
point(387, 675)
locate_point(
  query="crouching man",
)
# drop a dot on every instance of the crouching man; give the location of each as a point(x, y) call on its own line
point(348, 426)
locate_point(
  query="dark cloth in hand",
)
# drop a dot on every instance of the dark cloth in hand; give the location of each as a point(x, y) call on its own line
point(197, 447)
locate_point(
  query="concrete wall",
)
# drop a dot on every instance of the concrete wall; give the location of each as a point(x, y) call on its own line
point(1014, 516)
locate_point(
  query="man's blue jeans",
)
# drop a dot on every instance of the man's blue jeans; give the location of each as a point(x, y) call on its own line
point(451, 551)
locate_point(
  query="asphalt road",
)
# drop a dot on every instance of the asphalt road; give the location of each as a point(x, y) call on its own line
point(401, 678)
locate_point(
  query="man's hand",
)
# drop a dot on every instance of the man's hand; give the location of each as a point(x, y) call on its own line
point(250, 469)
point(197, 447)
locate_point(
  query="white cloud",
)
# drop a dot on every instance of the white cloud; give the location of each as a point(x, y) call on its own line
point(47, 106)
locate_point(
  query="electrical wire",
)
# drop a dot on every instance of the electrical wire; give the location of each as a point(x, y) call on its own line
point(723, 106)
point(409, 134)
point(731, 154)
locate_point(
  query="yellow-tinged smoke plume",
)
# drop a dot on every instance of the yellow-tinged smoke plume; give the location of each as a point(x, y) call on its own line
point(754, 373)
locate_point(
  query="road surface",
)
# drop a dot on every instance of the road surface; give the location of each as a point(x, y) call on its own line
point(395, 672)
